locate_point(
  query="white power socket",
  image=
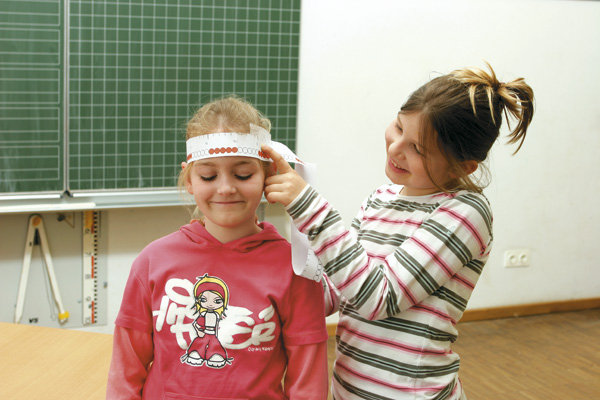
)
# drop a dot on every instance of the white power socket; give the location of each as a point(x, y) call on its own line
point(517, 258)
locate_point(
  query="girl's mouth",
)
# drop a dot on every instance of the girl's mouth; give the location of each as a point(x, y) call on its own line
point(227, 203)
point(397, 167)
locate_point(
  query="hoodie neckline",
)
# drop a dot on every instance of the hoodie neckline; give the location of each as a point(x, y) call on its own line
point(198, 234)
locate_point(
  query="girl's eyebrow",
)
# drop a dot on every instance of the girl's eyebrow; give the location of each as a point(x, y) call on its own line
point(243, 162)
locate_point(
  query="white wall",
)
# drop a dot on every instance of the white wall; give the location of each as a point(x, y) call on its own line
point(360, 60)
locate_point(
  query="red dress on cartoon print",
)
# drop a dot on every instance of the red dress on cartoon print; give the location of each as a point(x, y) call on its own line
point(206, 348)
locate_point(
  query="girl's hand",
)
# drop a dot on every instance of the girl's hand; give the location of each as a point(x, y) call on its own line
point(284, 184)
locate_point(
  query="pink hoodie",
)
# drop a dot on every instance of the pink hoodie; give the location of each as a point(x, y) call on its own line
point(267, 311)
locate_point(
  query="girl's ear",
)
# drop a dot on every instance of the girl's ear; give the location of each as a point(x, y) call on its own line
point(469, 166)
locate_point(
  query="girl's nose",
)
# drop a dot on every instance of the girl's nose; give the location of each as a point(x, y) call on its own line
point(226, 187)
point(397, 147)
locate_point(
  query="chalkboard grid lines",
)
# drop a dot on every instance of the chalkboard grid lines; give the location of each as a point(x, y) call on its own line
point(139, 69)
point(31, 91)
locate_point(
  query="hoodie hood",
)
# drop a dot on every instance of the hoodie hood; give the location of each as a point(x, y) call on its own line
point(197, 233)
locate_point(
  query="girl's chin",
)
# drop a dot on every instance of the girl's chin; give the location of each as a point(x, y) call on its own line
point(397, 178)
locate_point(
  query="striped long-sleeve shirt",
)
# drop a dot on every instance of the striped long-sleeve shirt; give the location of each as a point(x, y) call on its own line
point(401, 278)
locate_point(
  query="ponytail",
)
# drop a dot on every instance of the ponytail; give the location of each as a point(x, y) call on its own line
point(462, 115)
point(515, 98)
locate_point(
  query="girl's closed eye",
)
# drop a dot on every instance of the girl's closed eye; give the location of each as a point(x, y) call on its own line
point(243, 177)
point(208, 178)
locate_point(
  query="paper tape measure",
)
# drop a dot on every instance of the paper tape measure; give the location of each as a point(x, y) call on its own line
point(229, 144)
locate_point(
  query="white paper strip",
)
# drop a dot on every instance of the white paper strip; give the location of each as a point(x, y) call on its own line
point(304, 259)
point(230, 144)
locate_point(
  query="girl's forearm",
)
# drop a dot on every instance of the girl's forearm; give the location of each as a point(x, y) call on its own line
point(306, 375)
point(132, 354)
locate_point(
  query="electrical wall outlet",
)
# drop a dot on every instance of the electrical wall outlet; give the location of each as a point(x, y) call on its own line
point(517, 258)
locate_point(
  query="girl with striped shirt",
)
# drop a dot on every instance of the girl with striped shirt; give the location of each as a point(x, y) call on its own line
point(402, 275)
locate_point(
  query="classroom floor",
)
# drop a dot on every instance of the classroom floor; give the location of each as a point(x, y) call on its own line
point(545, 357)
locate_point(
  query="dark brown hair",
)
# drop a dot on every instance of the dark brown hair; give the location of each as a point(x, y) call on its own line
point(461, 116)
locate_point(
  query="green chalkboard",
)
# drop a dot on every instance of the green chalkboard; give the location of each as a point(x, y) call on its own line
point(136, 71)
point(31, 96)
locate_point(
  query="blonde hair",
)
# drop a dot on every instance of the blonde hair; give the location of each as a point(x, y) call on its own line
point(227, 114)
point(461, 116)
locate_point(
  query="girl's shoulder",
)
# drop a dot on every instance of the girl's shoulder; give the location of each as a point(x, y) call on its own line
point(390, 196)
point(468, 206)
point(464, 201)
point(468, 197)
point(394, 192)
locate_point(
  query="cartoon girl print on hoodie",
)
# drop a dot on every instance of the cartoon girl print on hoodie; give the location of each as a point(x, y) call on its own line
point(211, 299)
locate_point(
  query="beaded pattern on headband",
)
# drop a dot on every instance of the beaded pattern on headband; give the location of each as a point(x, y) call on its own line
point(225, 144)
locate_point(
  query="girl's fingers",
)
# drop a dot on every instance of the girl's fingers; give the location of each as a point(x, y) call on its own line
point(282, 165)
point(274, 180)
point(280, 192)
point(278, 197)
point(285, 186)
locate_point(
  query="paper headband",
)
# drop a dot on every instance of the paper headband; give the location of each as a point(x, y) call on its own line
point(228, 144)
